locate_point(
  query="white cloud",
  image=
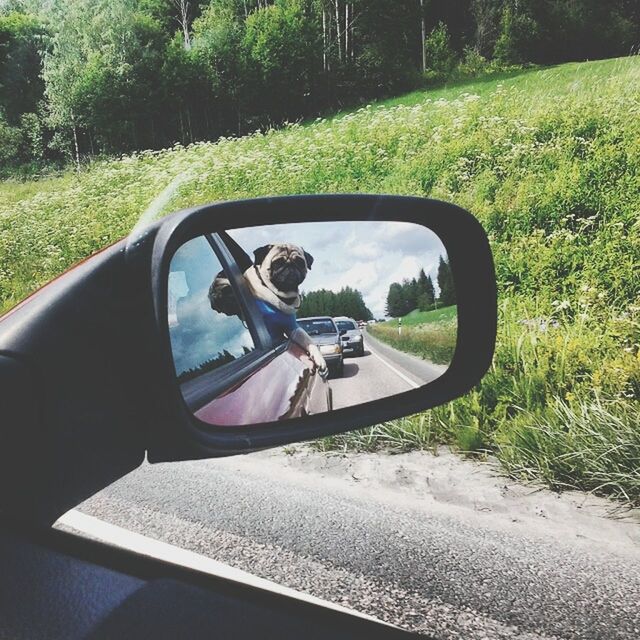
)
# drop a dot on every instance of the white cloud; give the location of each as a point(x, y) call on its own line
point(366, 255)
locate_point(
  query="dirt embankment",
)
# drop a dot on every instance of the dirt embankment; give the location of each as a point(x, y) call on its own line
point(473, 491)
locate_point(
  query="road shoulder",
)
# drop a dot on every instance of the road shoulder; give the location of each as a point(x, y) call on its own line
point(473, 491)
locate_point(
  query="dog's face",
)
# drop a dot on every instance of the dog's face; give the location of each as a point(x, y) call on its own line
point(284, 265)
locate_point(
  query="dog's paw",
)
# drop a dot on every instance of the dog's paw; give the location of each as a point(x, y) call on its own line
point(317, 358)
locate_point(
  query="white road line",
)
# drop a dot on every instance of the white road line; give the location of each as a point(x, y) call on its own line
point(398, 373)
point(114, 535)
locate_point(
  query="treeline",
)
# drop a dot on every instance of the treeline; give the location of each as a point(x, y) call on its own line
point(87, 77)
point(419, 293)
point(346, 302)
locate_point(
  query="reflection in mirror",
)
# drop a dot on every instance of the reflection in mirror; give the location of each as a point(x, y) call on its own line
point(281, 321)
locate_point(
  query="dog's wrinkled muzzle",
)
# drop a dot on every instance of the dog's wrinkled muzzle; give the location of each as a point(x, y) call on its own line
point(288, 278)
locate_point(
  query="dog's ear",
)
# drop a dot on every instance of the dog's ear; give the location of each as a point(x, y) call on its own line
point(309, 258)
point(261, 253)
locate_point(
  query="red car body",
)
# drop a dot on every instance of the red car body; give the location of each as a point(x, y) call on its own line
point(287, 386)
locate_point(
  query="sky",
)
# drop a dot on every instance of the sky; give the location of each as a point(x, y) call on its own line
point(365, 255)
point(197, 333)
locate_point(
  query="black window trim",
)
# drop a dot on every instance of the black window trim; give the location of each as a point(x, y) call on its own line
point(259, 334)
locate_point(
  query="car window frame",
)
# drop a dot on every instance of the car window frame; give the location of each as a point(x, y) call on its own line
point(265, 347)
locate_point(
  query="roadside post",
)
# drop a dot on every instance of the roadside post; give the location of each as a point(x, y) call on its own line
point(399, 326)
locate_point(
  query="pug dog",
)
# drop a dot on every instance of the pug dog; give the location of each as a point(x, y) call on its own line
point(274, 280)
point(278, 270)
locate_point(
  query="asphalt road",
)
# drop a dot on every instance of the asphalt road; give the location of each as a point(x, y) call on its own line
point(381, 372)
point(405, 539)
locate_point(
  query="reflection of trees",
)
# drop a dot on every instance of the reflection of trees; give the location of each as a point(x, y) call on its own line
point(346, 302)
point(419, 293)
point(224, 357)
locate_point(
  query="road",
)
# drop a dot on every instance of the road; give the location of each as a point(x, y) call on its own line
point(381, 372)
point(432, 543)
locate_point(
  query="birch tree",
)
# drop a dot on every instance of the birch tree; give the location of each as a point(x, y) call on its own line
point(183, 7)
point(91, 36)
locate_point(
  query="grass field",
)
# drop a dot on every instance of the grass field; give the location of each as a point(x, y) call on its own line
point(430, 335)
point(548, 160)
point(416, 317)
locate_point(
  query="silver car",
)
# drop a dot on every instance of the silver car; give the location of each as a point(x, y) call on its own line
point(324, 332)
point(350, 335)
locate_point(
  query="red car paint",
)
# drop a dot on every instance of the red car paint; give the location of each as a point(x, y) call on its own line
point(288, 386)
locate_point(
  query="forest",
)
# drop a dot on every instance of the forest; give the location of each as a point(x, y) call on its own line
point(346, 302)
point(419, 293)
point(86, 78)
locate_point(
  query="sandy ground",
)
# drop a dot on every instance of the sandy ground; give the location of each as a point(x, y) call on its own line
point(470, 490)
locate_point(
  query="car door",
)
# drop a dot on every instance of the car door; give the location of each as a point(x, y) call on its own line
point(226, 359)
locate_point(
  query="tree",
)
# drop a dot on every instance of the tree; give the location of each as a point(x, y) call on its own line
point(387, 58)
point(103, 75)
point(183, 8)
point(410, 293)
point(346, 302)
point(218, 50)
point(426, 292)
point(519, 34)
point(487, 16)
point(21, 87)
point(282, 57)
point(423, 35)
point(445, 283)
point(11, 140)
point(395, 307)
point(439, 54)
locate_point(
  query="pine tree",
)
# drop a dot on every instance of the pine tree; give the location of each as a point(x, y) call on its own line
point(395, 301)
point(446, 284)
point(426, 292)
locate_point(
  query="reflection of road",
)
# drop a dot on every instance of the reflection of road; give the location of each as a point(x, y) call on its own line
point(383, 371)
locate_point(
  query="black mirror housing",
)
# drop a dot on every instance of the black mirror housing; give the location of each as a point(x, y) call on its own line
point(181, 436)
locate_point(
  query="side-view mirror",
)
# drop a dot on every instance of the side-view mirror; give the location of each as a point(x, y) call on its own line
point(239, 326)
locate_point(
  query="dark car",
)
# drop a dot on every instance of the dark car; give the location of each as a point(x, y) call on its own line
point(325, 334)
point(351, 335)
point(101, 371)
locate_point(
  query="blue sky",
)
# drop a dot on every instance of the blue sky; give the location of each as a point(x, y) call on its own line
point(365, 255)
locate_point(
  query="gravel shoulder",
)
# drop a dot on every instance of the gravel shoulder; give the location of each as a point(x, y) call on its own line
point(473, 491)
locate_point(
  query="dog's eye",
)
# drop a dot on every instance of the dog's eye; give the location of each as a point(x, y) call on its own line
point(278, 262)
point(300, 263)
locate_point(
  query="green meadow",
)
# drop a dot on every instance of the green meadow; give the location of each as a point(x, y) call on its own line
point(549, 161)
point(430, 335)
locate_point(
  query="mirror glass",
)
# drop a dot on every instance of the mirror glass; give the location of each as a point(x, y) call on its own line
point(280, 321)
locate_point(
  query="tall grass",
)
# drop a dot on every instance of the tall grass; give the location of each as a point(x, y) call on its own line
point(434, 341)
point(591, 445)
point(549, 160)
